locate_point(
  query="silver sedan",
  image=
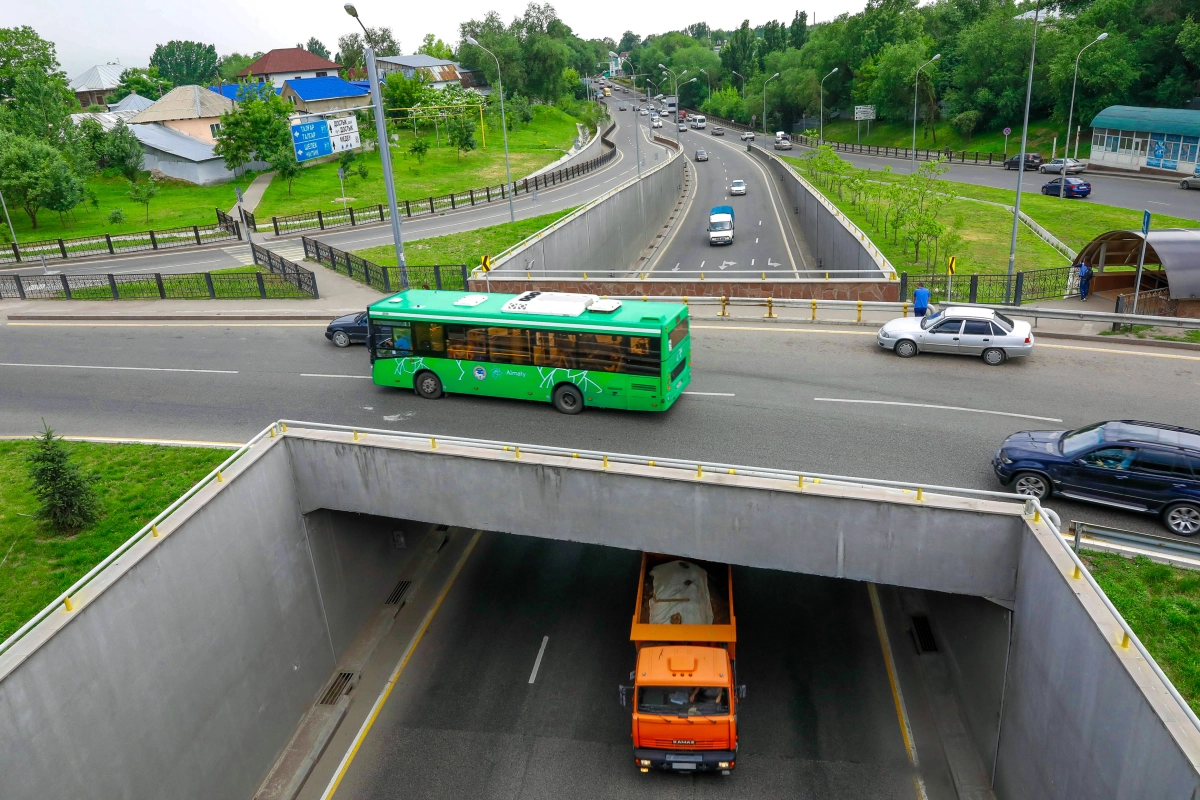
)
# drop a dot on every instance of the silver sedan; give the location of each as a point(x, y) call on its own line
point(961, 330)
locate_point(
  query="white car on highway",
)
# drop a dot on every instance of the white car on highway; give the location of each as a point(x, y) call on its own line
point(961, 330)
point(643, 112)
point(656, 123)
point(737, 187)
point(747, 136)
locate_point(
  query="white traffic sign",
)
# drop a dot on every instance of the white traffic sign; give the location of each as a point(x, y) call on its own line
point(864, 112)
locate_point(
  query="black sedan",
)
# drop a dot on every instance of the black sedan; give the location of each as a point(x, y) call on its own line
point(1076, 187)
point(702, 155)
point(1032, 161)
point(348, 330)
point(1138, 466)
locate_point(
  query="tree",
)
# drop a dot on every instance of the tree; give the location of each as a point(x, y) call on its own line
point(401, 92)
point(283, 161)
point(93, 141)
point(143, 192)
point(352, 45)
point(462, 135)
point(30, 173)
point(436, 48)
point(698, 30)
point(798, 30)
point(185, 63)
point(628, 42)
point(228, 67)
point(42, 104)
point(123, 151)
point(21, 49)
point(966, 122)
point(419, 148)
point(257, 126)
point(738, 53)
point(67, 498)
point(316, 47)
point(66, 189)
point(145, 82)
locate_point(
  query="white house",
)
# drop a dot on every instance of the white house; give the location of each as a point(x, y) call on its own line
point(289, 63)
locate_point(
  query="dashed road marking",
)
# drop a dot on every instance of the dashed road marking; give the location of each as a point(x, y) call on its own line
point(940, 408)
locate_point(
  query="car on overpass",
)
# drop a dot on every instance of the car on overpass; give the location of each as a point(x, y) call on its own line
point(737, 187)
point(959, 330)
point(747, 136)
point(1138, 466)
point(1073, 166)
point(1076, 187)
point(702, 155)
point(348, 330)
point(1032, 161)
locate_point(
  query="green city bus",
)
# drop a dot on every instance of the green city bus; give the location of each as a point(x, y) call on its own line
point(572, 350)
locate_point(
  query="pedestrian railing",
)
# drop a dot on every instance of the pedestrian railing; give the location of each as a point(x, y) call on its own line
point(156, 286)
point(385, 279)
point(1053, 283)
point(224, 229)
point(303, 280)
point(1155, 302)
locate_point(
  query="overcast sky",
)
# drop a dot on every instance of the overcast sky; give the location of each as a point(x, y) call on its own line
point(89, 32)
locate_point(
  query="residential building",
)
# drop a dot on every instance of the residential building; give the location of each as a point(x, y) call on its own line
point(131, 102)
point(183, 157)
point(1157, 141)
point(107, 119)
point(322, 95)
point(191, 110)
point(289, 63)
point(92, 87)
point(236, 91)
point(440, 72)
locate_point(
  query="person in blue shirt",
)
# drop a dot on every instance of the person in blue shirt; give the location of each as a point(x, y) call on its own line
point(1085, 281)
point(920, 301)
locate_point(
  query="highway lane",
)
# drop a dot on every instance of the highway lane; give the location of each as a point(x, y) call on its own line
point(764, 395)
point(1158, 196)
point(467, 721)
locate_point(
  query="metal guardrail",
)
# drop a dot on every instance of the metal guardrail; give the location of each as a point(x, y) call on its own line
point(1032, 510)
point(223, 230)
point(1147, 543)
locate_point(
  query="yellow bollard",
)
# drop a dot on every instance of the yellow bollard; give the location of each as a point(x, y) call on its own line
point(154, 531)
point(920, 495)
point(764, 276)
point(816, 480)
point(1077, 573)
point(356, 436)
point(685, 302)
point(528, 276)
point(1125, 640)
point(826, 276)
point(904, 313)
point(770, 308)
point(1037, 515)
point(219, 478)
point(574, 455)
point(604, 462)
point(814, 309)
point(517, 449)
point(800, 482)
point(272, 431)
point(585, 276)
point(505, 448)
point(650, 463)
point(733, 472)
point(645, 299)
point(67, 604)
point(284, 426)
point(860, 310)
point(724, 312)
point(701, 276)
point(699, 471)
point(432, 443)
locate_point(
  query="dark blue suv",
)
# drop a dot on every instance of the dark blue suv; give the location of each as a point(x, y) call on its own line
point(1138, 466)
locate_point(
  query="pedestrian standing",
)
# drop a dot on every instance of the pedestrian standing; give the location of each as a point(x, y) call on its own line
point(920, 301)
point(1085, 281)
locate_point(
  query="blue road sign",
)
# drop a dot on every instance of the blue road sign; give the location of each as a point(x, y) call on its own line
point(315, 148)
point(311, 140)
point(1145, 222)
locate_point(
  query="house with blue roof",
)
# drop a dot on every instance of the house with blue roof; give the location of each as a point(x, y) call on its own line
point(236, 91)
point(1158, 141)
point(322, 95)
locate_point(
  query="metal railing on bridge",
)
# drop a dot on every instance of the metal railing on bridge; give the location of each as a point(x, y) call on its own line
point(385, 279)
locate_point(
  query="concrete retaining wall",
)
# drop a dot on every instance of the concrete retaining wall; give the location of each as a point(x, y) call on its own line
point(884, 291)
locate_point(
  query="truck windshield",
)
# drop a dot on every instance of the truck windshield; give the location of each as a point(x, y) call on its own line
point(722, 225)
point(683, 700)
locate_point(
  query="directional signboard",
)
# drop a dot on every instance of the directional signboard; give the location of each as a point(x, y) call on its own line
point(864, 112)
point(317, 138)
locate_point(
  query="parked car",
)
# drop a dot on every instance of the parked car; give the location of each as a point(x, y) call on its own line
point(702, 155)
point(1076, 187)
point(737, 187)
point(682, 127)
point(783, 144)
point(1032, 161)
point(964, 331)
point(718, 131)
point(1192, 182)
point(747, 136)
point(348, 330)
point(1073, 167)
point(656, 123)
point(1139, 466)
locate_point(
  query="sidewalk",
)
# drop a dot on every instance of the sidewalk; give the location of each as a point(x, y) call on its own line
point(253, 194)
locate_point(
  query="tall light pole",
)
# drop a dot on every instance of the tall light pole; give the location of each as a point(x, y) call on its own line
point(675, 78)
point(512, 217)
point(1012, 247)
point(1062, 184)
point(743, 77)
point(916, 85)
point(385, 150)
point(821, 136)
point(708, 81)
point(768, 80)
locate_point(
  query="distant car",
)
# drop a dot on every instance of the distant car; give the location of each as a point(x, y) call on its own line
point(747, 136)
point(656, 123)
point(783, 144)
point(1032, 161)
point(1055, 166)
point(718, 131)
point(1192, 182)
point(737, 187)
point(1076, 187)
point(967, 331)
point(682, 127)
point(643, 112)
point(348, 330)
point(622, 107)
point(1139, 466)
point(701, 155)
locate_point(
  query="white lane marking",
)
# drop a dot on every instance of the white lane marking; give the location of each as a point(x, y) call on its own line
point(132, 369)
point(712, 394)
point(760, 222)
point(327, 375)
point(1158, 203)
point(538, 661)
point(701, 265)
point(1104, 350)
point(941, 408)
point(756, 240)
point(752, 260)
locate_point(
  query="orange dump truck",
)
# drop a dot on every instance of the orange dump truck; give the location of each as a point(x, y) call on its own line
point(685, 690)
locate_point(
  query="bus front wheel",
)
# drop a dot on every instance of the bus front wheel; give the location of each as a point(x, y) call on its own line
point(568, 399)
point(428, 385)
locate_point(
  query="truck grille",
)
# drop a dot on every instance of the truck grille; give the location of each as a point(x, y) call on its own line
point(701, 744)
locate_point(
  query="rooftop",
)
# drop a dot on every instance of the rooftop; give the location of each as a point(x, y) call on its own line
point(168, 140)
point(101, 76)
point(132, 102)
point(236, 91)
point(288, 59)
point(185, 102)
point(1153, 120)
point(416, 60)
point(328, 88)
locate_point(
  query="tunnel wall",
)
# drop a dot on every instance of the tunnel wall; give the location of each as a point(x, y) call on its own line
point(1083, 717)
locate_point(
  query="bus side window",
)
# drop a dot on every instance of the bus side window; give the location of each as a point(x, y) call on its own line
point(394, 341)
point(509, 346)
point(555, 350)
point(429, 338)
point(645, 356)
point(678, 333)
point(601, 352)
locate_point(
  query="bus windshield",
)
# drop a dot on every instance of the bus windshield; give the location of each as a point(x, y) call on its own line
point(683, 700)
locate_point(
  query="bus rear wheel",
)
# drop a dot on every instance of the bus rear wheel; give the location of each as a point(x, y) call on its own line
point(428, 385)
point(568, 399)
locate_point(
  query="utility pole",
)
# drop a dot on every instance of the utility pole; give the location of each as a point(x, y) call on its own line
point(1012, 248)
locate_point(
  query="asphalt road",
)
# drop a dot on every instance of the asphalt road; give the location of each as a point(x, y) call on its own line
point(771, 402)
point(1156, 196)
point(467, 721)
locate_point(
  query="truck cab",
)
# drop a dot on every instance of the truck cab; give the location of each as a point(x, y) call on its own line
point(720, 225)
point(685, 694)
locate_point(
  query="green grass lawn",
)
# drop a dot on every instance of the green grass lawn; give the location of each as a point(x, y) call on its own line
point(1162, 605)
point(444, 170)
point(899, 134)
point(463, 248)
point(177, 204)
point(136, 482)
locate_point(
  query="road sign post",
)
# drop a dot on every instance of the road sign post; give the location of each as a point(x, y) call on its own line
point(342, 183)
point(1137, 286)
point(861, 113)
point(1007, 131)
point(950, 279)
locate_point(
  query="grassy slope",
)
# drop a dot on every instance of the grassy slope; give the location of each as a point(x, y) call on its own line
point(899, 134)
point(136, 482)
point(463, 248)
point(176, 204)
point(1162, 605)
point(540, 142)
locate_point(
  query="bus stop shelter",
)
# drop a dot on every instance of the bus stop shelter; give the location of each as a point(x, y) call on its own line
point(1171, 267)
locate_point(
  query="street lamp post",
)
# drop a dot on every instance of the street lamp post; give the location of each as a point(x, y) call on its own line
point(743, 77)
point(512, 217)
point(768, 80)
point(916, 85)
point(708, 82)
point(385, 154)
point(675, 81)
point(1062, 184)
point(637, 149)
point(821, 137)
point(1012, 247)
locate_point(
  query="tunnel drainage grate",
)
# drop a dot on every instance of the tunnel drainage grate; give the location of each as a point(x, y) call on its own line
point(337, 687)
point(398, 593)
point(442, 528)
point(922, 635)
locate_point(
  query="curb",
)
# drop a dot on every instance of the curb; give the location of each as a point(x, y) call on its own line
point(324, 316)
point(1087, 337)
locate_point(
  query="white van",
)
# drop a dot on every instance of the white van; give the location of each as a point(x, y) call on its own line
point(698, 122)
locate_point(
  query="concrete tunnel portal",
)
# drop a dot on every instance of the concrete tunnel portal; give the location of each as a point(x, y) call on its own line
point(853, 600)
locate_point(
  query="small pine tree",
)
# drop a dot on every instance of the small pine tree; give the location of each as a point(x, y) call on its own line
point(66, 497)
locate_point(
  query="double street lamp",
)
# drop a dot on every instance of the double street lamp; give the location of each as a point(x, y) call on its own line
point(637, 148)
point(821, 137)
point(1012, 247)
point(768, 80)
point(675, 79)
point(512, 217)
point(1062, 184)
point(916, 86)
point(743, 77)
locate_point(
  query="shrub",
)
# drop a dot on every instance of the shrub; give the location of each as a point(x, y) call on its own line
point(116, 217)
point(66, 497)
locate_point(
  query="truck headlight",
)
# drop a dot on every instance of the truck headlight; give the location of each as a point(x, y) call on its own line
point(645, 762)
point(722, 765)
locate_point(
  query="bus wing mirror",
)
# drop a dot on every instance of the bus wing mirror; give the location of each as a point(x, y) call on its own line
point(632, 674)
point(741, 692)
point(623, 690)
